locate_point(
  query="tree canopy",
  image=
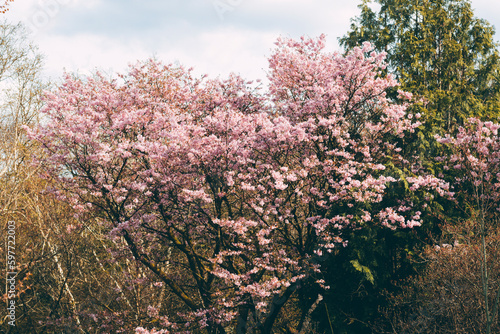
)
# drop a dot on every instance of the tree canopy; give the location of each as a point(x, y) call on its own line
point(249, 193)
point(437, 49)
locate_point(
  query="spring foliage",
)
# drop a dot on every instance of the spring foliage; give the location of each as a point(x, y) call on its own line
point(250, 191)
point(439, 50)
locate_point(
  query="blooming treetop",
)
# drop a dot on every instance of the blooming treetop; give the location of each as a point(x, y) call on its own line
point(474, 163)
point(250, 190)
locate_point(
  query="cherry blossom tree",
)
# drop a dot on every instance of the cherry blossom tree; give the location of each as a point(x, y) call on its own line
point(229, 196)
point(474, 164)
point(458, 291)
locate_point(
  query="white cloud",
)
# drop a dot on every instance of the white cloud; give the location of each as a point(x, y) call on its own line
point(229, 50)
point(40, 15)
point(84, 54)
point(82, 35)
point(217, 52)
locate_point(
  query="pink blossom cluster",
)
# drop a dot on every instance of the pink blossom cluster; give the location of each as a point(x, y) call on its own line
point(248, 187)
point(473, 161)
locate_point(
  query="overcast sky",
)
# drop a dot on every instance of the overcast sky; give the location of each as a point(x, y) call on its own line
point(213, 36)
